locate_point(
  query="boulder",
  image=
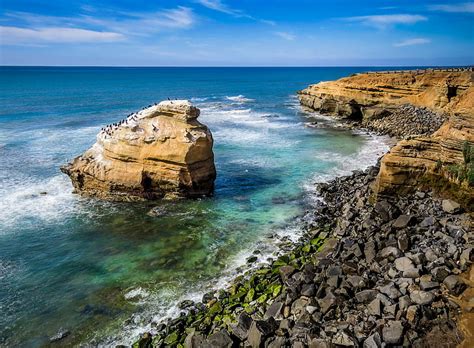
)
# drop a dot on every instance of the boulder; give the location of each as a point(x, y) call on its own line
point(450, 206)
point(454, 284)
point(422, 297)
point(403, 221)
point(220, 339)
point(162, 151)
point(392, 332)
point(260, 330)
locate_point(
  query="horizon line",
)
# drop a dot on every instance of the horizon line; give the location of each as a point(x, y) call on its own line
point(237, 66)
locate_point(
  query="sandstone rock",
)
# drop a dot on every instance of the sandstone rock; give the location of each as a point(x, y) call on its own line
point(412, 312)
point(450, 206)
point(160, 152)
point(406, 104)
point(372, 96)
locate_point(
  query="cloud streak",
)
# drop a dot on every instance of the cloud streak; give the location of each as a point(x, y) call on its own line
point(286, 36)
point(32, 28)
point(383, 21)
point(219, 6)
point(412, 42)
point(16, 35)
point(146, 23)
point(465, 7)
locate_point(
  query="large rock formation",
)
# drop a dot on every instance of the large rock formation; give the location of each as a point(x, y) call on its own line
point(411, 104)
point(373, 95)
point(160, 152)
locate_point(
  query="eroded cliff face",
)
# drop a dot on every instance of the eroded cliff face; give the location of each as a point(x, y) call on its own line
point(428, 156)
point(373, 95)
point(162, 151)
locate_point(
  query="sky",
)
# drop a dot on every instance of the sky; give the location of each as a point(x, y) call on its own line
point(236, 33)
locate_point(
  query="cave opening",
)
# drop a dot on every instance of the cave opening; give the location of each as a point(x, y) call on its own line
point(452, 92)
point(146, 183)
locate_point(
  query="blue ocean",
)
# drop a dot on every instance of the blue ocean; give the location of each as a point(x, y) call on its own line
point(105, 272)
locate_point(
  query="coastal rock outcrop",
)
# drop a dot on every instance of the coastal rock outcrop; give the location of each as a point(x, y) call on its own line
point(163, 151)
point(432, 110)
point(371, 96)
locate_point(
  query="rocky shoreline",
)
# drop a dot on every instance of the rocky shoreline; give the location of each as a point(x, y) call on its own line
point(385, 262)
point(368, 275)
point(432, 112)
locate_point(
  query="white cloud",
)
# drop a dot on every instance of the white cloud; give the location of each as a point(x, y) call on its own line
point(383, 21)
point(285, 35)
point(465, 7)
point(16, 35)
point(219, 6)
point(412, 42)
point(265, 21)
point(34, 29)
point(142, 24)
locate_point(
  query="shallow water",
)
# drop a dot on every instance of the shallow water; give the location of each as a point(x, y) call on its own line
point(105, 270)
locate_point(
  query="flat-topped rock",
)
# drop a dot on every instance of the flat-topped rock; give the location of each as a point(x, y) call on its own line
point(162, 151)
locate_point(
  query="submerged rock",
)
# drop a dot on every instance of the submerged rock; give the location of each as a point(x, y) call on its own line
point(160, 152)
point(61, 334)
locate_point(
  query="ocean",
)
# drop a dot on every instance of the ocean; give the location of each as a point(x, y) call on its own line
point(104, 271)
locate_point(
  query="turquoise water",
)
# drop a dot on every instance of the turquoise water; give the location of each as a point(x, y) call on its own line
point(104, 271)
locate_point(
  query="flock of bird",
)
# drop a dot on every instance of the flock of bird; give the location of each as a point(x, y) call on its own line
point(108, 130)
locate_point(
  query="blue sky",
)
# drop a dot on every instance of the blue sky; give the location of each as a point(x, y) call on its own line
point(236, 33)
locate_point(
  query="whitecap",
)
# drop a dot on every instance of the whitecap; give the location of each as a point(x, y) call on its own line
point(136, 293)
point(239, 98)
point(32, 200)
point(197, 99)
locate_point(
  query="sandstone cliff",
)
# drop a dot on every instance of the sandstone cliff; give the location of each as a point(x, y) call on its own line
point(160, 152)
point(373, 95)
point(412, 104)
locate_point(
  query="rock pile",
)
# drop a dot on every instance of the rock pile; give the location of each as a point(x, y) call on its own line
point(406, 120)
point(364, 276)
